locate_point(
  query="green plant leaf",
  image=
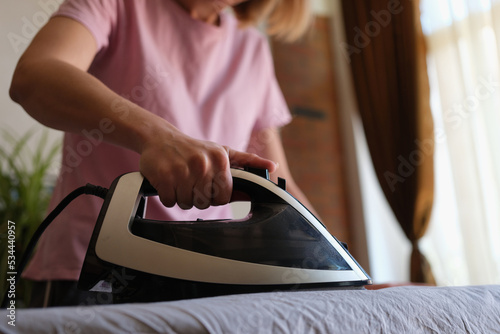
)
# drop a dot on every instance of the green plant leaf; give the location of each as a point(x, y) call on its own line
point(24, 192)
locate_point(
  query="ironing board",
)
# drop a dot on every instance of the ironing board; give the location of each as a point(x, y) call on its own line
point(473, 309)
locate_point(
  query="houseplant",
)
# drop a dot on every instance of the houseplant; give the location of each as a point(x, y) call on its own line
point(24, 195)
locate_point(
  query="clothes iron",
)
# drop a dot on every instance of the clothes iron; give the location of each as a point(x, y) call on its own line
point(279, 245)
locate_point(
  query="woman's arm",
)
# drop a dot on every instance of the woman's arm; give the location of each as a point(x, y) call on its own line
point(52, 84)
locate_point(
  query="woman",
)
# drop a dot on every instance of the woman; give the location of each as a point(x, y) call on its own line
point(178, 89)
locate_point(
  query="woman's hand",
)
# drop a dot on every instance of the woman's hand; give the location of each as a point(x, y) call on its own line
point(191, 172)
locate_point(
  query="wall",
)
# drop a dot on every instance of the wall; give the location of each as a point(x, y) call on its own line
point(19, 22)
point(314, 140)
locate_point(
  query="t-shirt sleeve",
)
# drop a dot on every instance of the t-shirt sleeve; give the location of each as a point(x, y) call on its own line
point(98, 16)
point(274, 112)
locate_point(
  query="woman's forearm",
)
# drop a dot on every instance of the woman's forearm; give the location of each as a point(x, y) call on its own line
point(62, 96)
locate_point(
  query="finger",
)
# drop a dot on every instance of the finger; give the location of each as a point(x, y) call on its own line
point(168, 200)
point(166, 193)
point(202, 192)
point(184, 193)
point(242, 159)
point(222, 187)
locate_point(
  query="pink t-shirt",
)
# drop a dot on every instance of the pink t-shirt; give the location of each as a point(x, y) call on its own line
point(212, 82)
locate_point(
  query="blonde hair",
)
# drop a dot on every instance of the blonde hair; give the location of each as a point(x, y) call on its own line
point(287, 20)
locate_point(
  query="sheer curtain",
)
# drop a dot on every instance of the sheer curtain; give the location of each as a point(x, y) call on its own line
point(463, 41)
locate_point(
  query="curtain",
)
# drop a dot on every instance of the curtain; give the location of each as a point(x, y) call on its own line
point(463, 38)
point(384, 45)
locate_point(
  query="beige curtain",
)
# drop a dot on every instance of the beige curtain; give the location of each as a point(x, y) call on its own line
point(463, 38)
point(387, 56)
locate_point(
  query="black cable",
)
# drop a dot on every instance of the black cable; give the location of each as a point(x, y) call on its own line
point(88, 189)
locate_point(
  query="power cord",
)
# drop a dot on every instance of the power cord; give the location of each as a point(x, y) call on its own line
point(88, 189)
